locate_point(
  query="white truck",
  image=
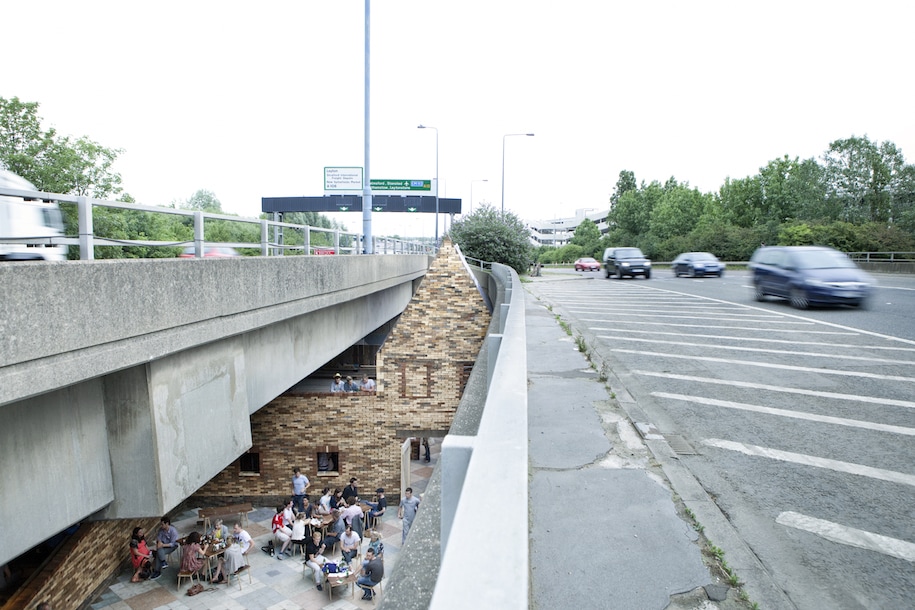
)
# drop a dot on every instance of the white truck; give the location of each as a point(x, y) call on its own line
point(24, 219)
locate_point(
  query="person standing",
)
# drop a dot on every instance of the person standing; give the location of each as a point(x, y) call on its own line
point(372, 573)
point(409, 504)
point(349, 385)
point(166, 543)
point(300, 484)
point(426, 447)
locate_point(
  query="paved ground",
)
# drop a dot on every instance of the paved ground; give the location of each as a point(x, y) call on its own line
point(274, 585)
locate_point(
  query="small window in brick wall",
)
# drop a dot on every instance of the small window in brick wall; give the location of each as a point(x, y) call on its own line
point(464, 370)
point(249, 463)
point(328, 461)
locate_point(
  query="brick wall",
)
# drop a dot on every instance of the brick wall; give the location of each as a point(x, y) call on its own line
point(420, 370)
point(81, 566)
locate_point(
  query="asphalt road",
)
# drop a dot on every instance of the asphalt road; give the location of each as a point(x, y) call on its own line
point(801, 422)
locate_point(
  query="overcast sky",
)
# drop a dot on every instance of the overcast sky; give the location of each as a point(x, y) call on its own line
point(252, 100)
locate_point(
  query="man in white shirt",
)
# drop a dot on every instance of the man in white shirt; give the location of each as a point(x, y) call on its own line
point(349, 544)
point(367, 384)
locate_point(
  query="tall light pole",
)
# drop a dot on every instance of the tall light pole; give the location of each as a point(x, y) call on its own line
point(436, 178)
point(471, 192)
point(503, 164)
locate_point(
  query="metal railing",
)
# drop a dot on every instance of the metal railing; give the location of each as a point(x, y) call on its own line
point(270, 243)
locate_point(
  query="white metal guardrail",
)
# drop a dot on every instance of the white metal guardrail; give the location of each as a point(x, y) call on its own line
point(341, 242)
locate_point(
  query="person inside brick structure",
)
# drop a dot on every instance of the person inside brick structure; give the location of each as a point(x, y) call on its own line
point(140, 555)
point(367, 384)
point(282, 533)
point(349, 385)
point(43, 606)
point(351, 491)
point(337, 384)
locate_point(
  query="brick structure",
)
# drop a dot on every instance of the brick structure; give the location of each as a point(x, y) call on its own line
point(421, 368)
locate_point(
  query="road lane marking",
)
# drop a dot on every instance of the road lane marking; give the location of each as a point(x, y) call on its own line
point(908, 404)
point(848, 535)
point(622, 323)
point(758, 339)
point(825, 419)
point(810, 460)
point(758, 350)
point(767, 365)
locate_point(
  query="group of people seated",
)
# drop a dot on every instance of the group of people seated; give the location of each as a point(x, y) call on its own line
point(347, 529)
point(348, 385)
point(148, 563)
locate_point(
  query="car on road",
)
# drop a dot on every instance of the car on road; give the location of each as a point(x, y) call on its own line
point(620, 262)
point(211, 252)
point(587, 264)
point(809, 275)
point(697, 264)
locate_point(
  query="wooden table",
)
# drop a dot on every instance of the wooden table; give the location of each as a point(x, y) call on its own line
point(332, 580)
point(213, 552)
point(241, 510)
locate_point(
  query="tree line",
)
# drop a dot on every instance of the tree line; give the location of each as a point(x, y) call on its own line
point(859, 196)
point(55, 163)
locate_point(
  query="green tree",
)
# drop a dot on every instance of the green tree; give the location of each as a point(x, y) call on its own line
point(625, 183)
point(862, 178)
point(490, 235)
point(203, 200)
point(587, 236)
point(53, 163)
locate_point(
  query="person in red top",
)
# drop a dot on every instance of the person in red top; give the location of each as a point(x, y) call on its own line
point(140, 555)
point(282, 533)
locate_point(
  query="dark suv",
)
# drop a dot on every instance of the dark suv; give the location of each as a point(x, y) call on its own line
point(809, 275)
point(626, 261)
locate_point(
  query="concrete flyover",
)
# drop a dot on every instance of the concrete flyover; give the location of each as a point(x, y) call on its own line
point(127, 384)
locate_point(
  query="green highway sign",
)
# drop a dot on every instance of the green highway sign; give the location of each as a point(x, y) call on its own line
point(401, 185)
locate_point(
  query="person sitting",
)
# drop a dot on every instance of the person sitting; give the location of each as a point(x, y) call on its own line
point(140, 555)
point(349, 385)
point(300, 529)
point(333, 537)
point(351, 490)
point(307, 508)
point(282, 533)
point(372, 573)
point(349, 544)
point(166, 543)
point(314, 557)
point(218, 532)
point(377, 508)
point(240, 543)
point(350, 512)
point(192, 559)
point(337, 384)
point(336, 499)
point(324, 507)
point(289, 513)
point(377, 545)
point(367, 384)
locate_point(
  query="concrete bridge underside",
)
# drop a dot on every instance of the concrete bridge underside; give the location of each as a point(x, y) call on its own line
point(126, 385)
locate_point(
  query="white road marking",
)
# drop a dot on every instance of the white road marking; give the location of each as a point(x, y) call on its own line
point(825, 419)
point(622, 324)
point(810, 460)
point(768, 365)
point(848, 535)
point(758, 339)
point(758, 350)
point(775, 388)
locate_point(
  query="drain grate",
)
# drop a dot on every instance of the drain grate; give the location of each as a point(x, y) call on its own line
point(679, 445)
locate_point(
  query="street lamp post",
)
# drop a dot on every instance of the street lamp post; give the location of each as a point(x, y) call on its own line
point(436, 178)
point(471, 192)
point(503, 164)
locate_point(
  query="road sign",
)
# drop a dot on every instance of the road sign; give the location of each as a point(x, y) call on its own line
point(401, 185)
point(342, 178)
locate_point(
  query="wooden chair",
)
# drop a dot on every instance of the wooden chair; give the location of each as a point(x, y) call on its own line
point(190, 576)
point(237, 575)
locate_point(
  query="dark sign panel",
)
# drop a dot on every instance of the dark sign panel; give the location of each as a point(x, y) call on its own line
point(353, 203)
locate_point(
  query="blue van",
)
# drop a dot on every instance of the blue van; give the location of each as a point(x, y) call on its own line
point(809, 275)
